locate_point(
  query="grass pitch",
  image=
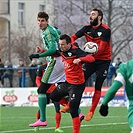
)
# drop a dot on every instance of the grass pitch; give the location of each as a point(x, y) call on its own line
point(17, 119)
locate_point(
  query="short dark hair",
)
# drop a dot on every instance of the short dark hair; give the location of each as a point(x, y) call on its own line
point(100, 13)
point(43, 15)
point(65, 37)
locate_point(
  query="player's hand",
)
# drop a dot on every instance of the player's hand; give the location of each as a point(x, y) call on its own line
point(38, 49)
point(33, 56)
point(76, 61)
point(103, 110)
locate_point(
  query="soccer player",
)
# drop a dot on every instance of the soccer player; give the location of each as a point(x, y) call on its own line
point(74, 86)
point(124, 78)
point(55, 69)
point(99, 33)
point(40, 72)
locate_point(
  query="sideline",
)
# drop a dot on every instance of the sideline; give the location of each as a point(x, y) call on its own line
point(64, 127)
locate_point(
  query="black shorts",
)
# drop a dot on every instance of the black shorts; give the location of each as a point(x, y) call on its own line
point(100, 67)
point(67, 89)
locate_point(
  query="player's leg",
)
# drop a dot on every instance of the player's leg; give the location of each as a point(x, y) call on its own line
point(38, 115)
point(130, 115)
point(42, 101)
point(59, 93)
point(101, 73)
point(66, 109)
point(38, 112)
point(54, 73)
point(75, 95)
point(57, 117)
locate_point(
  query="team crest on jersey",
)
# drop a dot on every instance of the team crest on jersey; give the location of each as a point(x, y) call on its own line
point(99, 33)
point(69, 53)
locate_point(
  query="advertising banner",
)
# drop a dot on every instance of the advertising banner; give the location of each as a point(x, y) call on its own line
point(29, 97)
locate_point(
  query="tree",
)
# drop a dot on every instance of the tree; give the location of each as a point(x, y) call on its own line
point(23, 44)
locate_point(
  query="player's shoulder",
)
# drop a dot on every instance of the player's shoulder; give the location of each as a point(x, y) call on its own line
point(129, 63)
point(75, 46)
point(50, 30)
point(87, 26)
point(105, 26)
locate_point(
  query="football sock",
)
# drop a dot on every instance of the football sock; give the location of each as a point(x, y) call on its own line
point(95, 100)
point(42, 101)
point(57, 119)
point(79, 110)
point(76, 125)
point(63, 101)
point(38, 115)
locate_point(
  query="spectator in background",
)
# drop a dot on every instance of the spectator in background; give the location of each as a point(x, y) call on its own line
point(1, 68)
point(110, 74)
point(33, 72)
point(21, 73)
point(118, 62)
point(7, 74)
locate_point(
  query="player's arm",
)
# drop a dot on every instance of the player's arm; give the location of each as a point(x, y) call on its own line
point(39, 49)
point(50, 51)
point(77, 35)
point(111, 92)
point(52, 48)
point(83, 57)
point(117, 84)
point(105, 41)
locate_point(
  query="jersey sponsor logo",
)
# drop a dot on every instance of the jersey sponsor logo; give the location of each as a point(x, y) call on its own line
point(99, 33)
point(66, 65)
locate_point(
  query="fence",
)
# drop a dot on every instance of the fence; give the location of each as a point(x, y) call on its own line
point(25, 77)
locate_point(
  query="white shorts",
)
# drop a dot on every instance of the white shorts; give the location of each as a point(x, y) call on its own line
point(54, 72)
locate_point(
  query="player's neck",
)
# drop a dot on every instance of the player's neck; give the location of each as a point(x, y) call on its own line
point(95, 27)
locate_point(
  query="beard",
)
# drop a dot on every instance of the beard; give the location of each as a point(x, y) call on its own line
point(94, 22)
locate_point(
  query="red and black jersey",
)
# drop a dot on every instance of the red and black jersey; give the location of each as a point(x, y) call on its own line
point(100, 35)
point(74, 72)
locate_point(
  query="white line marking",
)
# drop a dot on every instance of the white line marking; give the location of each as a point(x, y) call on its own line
point(50, 128)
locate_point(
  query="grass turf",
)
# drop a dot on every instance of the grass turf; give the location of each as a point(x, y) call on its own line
point(17, 119)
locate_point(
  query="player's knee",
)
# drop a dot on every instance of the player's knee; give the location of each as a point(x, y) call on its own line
point(40, 91)
point(54, 97)
point(43, 88)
